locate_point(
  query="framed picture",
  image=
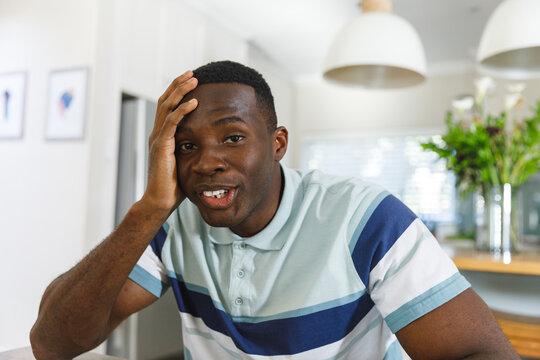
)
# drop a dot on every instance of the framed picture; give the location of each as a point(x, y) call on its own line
point(12, 88)
point(66, 104)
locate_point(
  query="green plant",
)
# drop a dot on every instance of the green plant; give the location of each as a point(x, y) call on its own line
point(489, 150)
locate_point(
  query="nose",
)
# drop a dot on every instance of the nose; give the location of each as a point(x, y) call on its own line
point(209, 161)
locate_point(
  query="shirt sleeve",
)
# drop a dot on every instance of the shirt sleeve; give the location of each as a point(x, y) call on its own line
point(149, 272)
point(401, 264)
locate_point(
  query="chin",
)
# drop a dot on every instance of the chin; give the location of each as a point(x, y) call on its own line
point(221, 220)
point(219, 223)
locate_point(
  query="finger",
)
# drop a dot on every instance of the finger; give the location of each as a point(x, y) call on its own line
point(174, 84)
point(159, 113)
point(171, 103)
point(171, 123)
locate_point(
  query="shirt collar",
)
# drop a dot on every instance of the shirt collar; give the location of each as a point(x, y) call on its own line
point(267, 238)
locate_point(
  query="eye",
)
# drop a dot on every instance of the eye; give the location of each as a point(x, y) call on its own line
point(185, 147)
point(234, 138)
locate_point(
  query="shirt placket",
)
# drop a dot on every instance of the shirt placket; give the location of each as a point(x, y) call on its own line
point(240, 289)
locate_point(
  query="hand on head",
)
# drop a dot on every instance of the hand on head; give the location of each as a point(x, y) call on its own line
point(162, 188)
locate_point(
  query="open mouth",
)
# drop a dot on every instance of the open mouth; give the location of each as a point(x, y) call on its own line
point(218, 199)
point(218, 194)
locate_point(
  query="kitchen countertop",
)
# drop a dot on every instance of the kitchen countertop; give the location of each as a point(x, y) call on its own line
point(466, 257)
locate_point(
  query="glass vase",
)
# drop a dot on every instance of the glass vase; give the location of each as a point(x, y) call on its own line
point(481, 219)
point(504, 219)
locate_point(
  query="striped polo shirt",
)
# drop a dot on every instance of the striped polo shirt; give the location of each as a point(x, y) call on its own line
point(341, 267)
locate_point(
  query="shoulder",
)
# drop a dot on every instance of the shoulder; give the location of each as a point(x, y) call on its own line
point(350, 199)
point(333, 187)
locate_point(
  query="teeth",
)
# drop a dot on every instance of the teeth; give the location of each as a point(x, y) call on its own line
point(216, 194)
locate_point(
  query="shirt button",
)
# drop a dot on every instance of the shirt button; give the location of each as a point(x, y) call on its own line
point(238, 301)
point(240, 274)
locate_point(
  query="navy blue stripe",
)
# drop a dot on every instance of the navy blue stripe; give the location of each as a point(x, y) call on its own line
point(389, 220)
point(158, 241)
point(273, 337)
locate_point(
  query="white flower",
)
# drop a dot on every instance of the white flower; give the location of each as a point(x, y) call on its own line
point(512, 100)
point(484, 85)
point(463, 103)
point(516, 88)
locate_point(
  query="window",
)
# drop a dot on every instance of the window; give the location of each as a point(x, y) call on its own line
point(398, 163)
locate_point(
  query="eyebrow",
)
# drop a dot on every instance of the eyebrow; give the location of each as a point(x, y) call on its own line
point(227, 120)
point(219, 122)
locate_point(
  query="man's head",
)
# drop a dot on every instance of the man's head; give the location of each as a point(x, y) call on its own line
point(233, 72)
point(228, 149)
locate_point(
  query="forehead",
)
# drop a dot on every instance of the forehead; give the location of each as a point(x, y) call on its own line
point(219, 103)
point(223, 98)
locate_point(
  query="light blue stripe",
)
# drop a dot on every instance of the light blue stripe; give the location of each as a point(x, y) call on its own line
point(426, 302)
point(194, 331)
point(393, 352)
point(187, 354)
point(303, 311)
point(166, 227)
point(208, 336)
point(147, 281)
point(192, 287)
point(363, 221)
point(284, 315)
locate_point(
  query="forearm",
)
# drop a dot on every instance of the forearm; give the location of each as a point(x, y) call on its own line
point(503, 354)
point(76, 307)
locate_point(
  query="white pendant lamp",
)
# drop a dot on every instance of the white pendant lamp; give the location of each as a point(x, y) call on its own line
point(510, 44)
point(377, 50)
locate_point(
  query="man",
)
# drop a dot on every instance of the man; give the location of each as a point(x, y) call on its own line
point(264, 261)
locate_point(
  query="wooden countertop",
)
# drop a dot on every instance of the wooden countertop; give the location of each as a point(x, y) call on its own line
point(466, 257)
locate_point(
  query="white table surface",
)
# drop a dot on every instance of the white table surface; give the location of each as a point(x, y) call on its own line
point(26, 354)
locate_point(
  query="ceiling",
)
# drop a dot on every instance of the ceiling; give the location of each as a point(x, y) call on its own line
point(297, 33)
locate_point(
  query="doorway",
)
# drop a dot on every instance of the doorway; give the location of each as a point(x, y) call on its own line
point(155, 332)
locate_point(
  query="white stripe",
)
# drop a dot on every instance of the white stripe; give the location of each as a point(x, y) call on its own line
point(417, 253)
point(151, 263)
point(370, 339)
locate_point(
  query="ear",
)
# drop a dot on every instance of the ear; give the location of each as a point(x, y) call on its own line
point(281, 139)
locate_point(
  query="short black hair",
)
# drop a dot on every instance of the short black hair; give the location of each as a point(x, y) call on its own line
point(232, 72)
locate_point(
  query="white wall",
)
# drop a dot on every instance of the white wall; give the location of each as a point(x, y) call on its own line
point(43, 190)
point(284, 92)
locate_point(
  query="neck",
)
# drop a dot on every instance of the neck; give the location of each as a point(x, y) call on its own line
point(267, 210)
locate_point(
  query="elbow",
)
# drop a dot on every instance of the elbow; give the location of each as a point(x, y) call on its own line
point(39, 347)
point(45, 347)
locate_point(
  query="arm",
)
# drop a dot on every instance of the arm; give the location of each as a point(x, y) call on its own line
point(462, 328)
point(81, 307)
